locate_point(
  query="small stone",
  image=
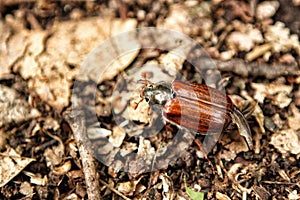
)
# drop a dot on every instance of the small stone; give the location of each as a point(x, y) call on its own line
point(266, 9)
point(76, 14)
point(227, 55)
point(287, 59)
point(141, 14)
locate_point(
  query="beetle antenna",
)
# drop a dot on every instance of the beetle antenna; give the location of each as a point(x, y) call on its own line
point(136, 104)
point(144, 81)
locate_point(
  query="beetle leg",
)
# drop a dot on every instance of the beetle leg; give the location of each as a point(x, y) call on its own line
point(169, 127)
point(243, 127)
point(200, 147)
point(210, 141)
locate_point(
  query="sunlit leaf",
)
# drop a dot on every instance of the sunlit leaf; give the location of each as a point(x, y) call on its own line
point(192, 194)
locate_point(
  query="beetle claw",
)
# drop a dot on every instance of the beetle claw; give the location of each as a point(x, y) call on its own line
point(243, 127)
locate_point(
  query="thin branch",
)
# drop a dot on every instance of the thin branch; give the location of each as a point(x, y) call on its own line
point(280, 183)
point(245, 69)
point(77, 124)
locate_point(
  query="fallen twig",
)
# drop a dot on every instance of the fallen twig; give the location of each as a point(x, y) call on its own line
point(280, 183)
point(77, 124)
point(245, 69)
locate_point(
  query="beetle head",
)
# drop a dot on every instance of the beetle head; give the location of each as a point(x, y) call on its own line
point(157, 93)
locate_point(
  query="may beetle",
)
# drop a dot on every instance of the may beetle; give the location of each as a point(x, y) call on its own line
point(196, 107)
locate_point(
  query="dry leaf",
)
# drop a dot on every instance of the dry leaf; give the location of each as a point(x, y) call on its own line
point(233, 149)
point(106, 148)
point(111, 57)
point(294, 195)
point(145, 148)
point(281, 39)
point(129, 187)
point(268, 90)
point(26, 189)
point(281, 100)
point(12, 47)
point(75, 174)
point(168, 190)
point(221, 196)
point(294, 121)
point(182, 18)
point(95, 132)
point(36, 44)
point(54, 155)
point(172, 62)
point(117, 137)
point(63, 168)
point(177, 19)
point(51, 124)
point(278, 121)
point(286, 141)
point(244, 39)
point(38, 180)
point(140, 113)
point(11, 164)
point(72, 196)
point(14, 109)
point(127, 148)
point(260, 118)
point(261, 192)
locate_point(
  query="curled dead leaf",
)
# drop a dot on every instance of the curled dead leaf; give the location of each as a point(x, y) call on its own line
point(63, 168)
point(221, 196)
point(129, 187)
point(167, 186)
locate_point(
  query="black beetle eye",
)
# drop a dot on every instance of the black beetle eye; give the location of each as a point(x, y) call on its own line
point(173, 95)
point(150, 87)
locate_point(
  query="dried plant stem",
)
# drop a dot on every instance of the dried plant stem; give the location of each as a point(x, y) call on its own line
point(77, 124)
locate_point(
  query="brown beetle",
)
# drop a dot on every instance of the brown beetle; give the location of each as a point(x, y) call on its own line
point(196, 107)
